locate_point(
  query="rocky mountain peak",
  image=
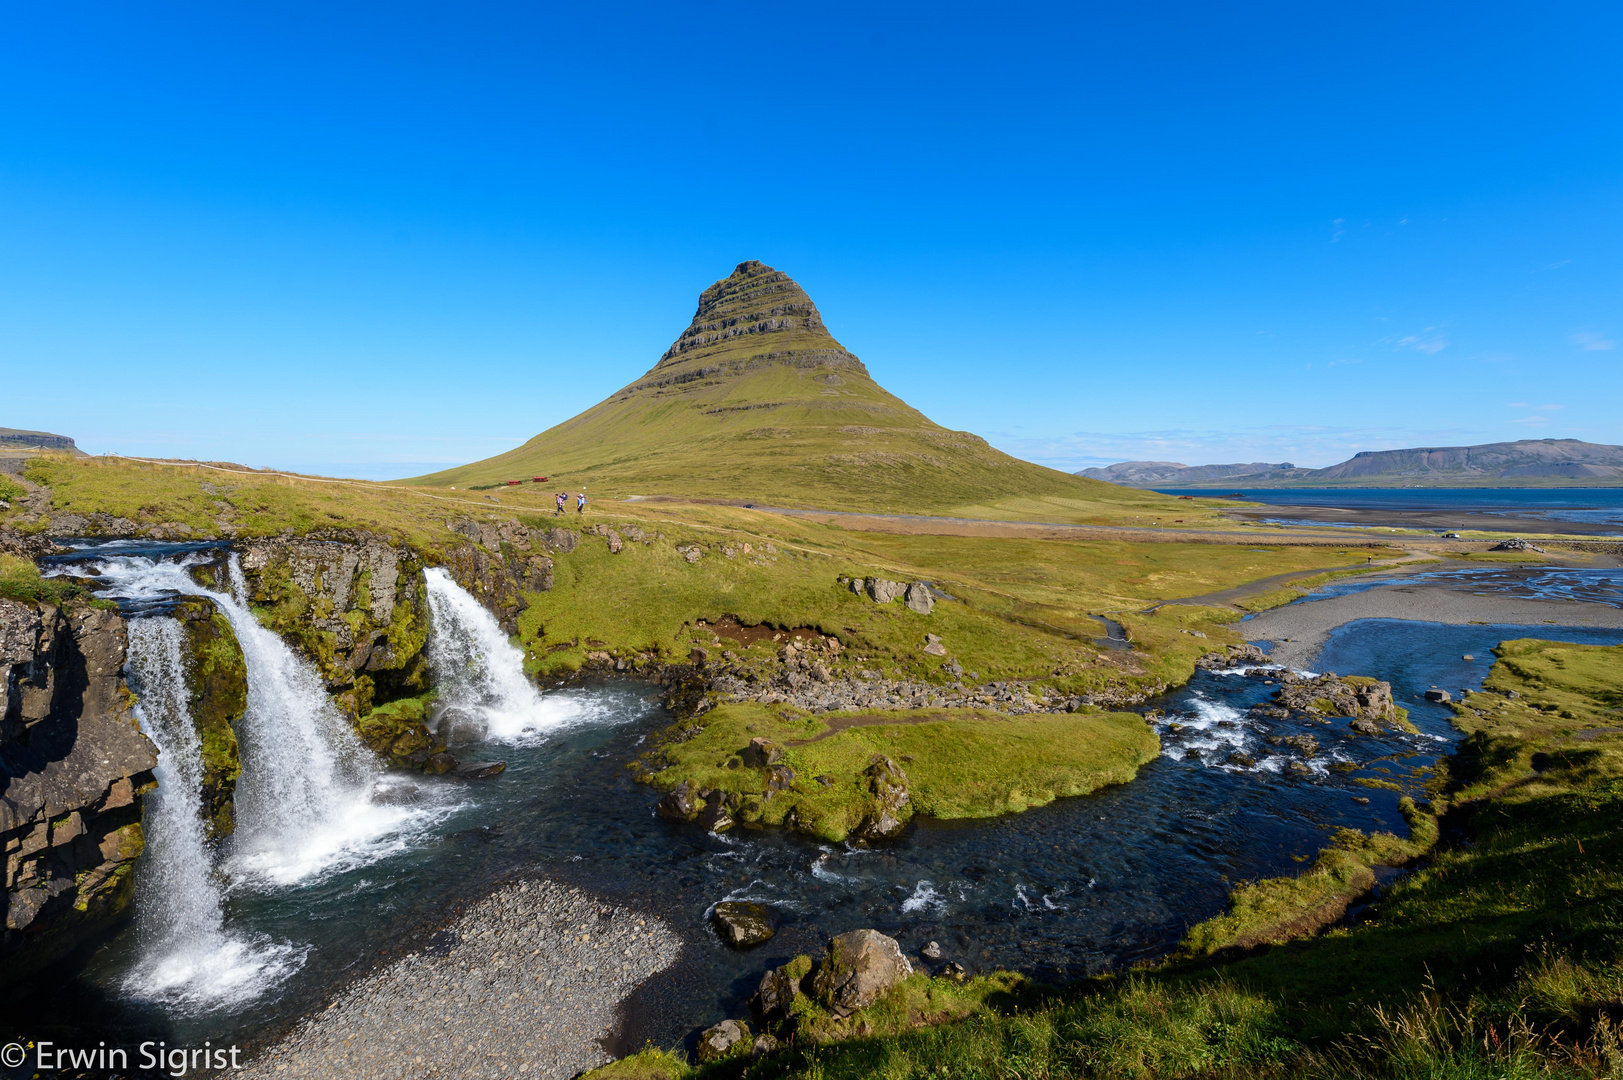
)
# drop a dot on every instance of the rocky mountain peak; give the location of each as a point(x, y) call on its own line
point(761, 311)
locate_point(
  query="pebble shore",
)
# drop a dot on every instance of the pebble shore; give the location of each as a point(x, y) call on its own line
point(524, 983)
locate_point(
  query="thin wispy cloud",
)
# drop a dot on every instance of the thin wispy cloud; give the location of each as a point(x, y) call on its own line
point(1427, 341)
point(1590, 341)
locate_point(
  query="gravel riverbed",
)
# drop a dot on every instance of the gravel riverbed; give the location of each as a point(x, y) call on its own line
point(1300, 630)
point(524, 983)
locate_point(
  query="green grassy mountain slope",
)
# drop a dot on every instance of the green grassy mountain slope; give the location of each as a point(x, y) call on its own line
point(757, 400)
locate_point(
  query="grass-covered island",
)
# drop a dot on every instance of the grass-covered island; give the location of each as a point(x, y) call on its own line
point(1498, 955)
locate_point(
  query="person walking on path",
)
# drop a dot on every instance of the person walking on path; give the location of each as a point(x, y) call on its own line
point(580, 503)
point(562, 498)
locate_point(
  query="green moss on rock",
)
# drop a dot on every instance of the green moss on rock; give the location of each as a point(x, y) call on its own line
point(218, 688)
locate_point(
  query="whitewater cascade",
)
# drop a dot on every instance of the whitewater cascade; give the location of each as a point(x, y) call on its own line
point(310, 799)
point(188, 957)
point(484, 692)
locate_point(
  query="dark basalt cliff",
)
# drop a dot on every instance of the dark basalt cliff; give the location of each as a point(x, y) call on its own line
point(73, 763)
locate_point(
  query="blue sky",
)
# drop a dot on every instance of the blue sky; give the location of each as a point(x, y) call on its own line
point(374, 239)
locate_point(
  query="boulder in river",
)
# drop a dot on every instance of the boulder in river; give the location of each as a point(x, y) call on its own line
point(860, 967)
point(742, 924)
point(719, 1041)
point(678, 803)
point(1440, 696)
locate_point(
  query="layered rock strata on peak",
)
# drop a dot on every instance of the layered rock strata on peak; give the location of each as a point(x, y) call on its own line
point(757, 400)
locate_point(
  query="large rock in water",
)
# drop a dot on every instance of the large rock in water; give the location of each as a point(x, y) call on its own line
point(859, 968)
point(742, 924)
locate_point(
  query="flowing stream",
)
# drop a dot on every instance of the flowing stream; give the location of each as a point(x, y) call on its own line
point(365, 865)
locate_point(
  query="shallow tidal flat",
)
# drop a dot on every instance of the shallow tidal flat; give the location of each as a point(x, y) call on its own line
point(1301, 629)
point(524, 983)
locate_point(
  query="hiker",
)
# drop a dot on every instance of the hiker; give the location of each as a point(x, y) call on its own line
point(580, 503)
point(563, 497)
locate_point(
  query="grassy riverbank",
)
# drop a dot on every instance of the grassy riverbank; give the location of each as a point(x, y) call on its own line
point(1501, 956)
point(957, 764)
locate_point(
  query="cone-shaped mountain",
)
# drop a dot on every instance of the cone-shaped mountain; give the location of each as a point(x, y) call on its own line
point(757, 400)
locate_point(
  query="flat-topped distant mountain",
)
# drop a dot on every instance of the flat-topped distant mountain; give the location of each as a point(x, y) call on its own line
point(1161, 473)
point(17, 439)
point(756, 400)
point(1523, 463)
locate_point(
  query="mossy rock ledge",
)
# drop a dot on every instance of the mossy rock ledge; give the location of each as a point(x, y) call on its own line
point(217, 684)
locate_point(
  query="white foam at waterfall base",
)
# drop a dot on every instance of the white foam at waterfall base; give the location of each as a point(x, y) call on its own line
point(310, 799)
point(481, 674)
point(187, 957)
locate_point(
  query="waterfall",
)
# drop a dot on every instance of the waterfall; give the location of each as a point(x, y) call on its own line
point(484, 693)
point(187, 956)
point(310, 799)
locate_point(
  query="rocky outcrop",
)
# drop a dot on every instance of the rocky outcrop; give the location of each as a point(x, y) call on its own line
point(723, 1040)
point(505, 560)
point(890, 808)
point(779, 987)
point(1332, 695)
point(1232, 657)
point(917, 595)
point(217, 678)
point(357, 607)
point(859, 968)
point(73, 765)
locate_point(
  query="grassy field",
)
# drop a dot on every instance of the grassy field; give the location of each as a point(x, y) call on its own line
point(1500, 956)
point(1022, 610)
point(958, 764)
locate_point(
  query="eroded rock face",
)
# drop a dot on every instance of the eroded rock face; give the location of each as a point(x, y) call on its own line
point(860, 967)
point(357, 607)
point(73, 765)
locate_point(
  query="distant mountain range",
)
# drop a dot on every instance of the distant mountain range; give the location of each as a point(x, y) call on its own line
point(1524, 463)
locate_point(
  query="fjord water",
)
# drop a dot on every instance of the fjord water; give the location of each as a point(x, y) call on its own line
point(1591, 506)
point(1073, 887)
